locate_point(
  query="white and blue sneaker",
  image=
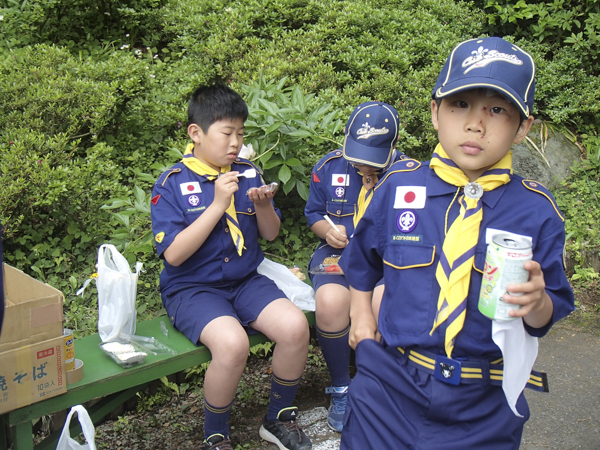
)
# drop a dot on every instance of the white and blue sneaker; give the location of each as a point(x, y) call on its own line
point(337, 407)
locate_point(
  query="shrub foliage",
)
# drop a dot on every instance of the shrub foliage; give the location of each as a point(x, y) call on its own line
point(94, 98)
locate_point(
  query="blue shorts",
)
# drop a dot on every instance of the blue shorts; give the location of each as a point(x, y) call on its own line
point(318, 256)
point(192, 307)
point(392, 404)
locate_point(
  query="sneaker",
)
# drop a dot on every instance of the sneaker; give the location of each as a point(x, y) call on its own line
point(337, 407)
point(216, 442)
point(284, 431)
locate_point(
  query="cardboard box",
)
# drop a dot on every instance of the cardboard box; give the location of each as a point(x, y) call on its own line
point(33, 311)
point(31, 374)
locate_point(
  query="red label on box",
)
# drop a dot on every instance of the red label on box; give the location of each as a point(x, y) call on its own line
point(45, 353)
point(59, 364)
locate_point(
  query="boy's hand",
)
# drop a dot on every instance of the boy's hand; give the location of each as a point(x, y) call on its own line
point(225, 186)
point(363, 328)
point(337, 239)
point(261, 195)
point(536, 305)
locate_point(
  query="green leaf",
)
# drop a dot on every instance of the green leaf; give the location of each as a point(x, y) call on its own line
point(273, 127)
point(300, 133)
point(272, 163)
point(302, 189)
point(116, 203)
point(293, 162)
point(284, 174)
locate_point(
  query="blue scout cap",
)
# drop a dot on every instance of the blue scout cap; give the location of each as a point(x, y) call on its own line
point(371, 134)
point(489, 63)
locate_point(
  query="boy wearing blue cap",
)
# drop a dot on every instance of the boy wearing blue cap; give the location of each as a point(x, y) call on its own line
point(440, 376)
point(207, 213)
point(341, 188)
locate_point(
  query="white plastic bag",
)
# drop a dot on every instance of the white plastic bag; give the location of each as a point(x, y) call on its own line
point(87, 427)
point(300, 293)
point(117, 288)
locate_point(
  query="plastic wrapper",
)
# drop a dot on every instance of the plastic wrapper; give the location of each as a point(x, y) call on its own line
point(329, 266)
point(150, 344)
point(300, 293)
point(265, 187)
point(125, 354)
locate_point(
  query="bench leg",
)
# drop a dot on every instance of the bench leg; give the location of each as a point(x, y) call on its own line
point(97, 412)
point(3, 436)
point(22, 434)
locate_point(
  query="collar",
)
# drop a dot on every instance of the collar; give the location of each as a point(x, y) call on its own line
point(437, 187)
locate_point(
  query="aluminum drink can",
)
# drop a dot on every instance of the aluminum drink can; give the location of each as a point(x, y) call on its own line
point(503, 266)
point(69, 349)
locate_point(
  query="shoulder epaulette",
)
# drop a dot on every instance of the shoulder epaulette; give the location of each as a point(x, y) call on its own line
point(404, 157)
point(247, 162)
point(333, 155)
point(403, 165)
point(163, 177)
point(541, 189)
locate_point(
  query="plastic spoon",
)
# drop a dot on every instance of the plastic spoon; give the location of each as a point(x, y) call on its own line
point(249, 173)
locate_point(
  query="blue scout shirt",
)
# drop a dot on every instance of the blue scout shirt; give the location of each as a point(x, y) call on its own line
point(179, 197)
point(400, 238)
point(334, 188)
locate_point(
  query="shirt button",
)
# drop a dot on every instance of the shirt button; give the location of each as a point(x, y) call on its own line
point(338, 211)
point(249, 210)
point(172, 319)
point(226, 259)
point(226, 230)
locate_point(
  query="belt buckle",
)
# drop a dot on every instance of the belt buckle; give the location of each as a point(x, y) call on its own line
point(447, 370)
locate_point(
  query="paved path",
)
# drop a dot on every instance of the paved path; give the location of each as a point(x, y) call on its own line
point(567, 418)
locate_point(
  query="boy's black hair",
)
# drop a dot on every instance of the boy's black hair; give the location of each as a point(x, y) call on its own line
point(209, 104)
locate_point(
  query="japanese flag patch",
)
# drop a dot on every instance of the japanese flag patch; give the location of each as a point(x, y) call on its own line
point(192, 187)
point(410, 197)
point(340, 179)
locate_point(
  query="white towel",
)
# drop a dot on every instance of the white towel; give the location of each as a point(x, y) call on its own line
point(519, 350)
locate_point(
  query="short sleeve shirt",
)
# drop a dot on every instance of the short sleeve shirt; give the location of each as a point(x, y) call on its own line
point(400, 238)
point(179, 197)
point(334, 189)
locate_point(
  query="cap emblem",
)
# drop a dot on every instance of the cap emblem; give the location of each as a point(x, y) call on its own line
point(482, 57)
point(367, 131)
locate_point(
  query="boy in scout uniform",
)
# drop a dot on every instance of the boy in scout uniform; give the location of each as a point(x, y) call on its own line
point(341, 187)
point(207, 213)
point(435, 378)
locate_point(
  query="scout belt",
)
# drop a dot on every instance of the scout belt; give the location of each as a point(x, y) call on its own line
point(472, 371)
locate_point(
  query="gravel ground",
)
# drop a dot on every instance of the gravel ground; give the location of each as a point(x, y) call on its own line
point(568, 417)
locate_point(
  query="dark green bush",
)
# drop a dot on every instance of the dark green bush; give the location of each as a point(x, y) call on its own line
point(56, 170)
point(346, 53)
point(571, 23)
point(99, 115)
point(86, 27)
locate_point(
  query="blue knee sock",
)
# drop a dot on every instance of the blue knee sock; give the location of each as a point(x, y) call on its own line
point(216, 420)
point(282, 395)
point(336, 352)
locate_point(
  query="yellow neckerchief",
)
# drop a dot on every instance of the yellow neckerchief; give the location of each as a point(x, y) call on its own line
point(204, 170)
point(365, 196)
point(458, 251)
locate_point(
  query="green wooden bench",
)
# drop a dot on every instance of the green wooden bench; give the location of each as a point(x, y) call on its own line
point(104, 378)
